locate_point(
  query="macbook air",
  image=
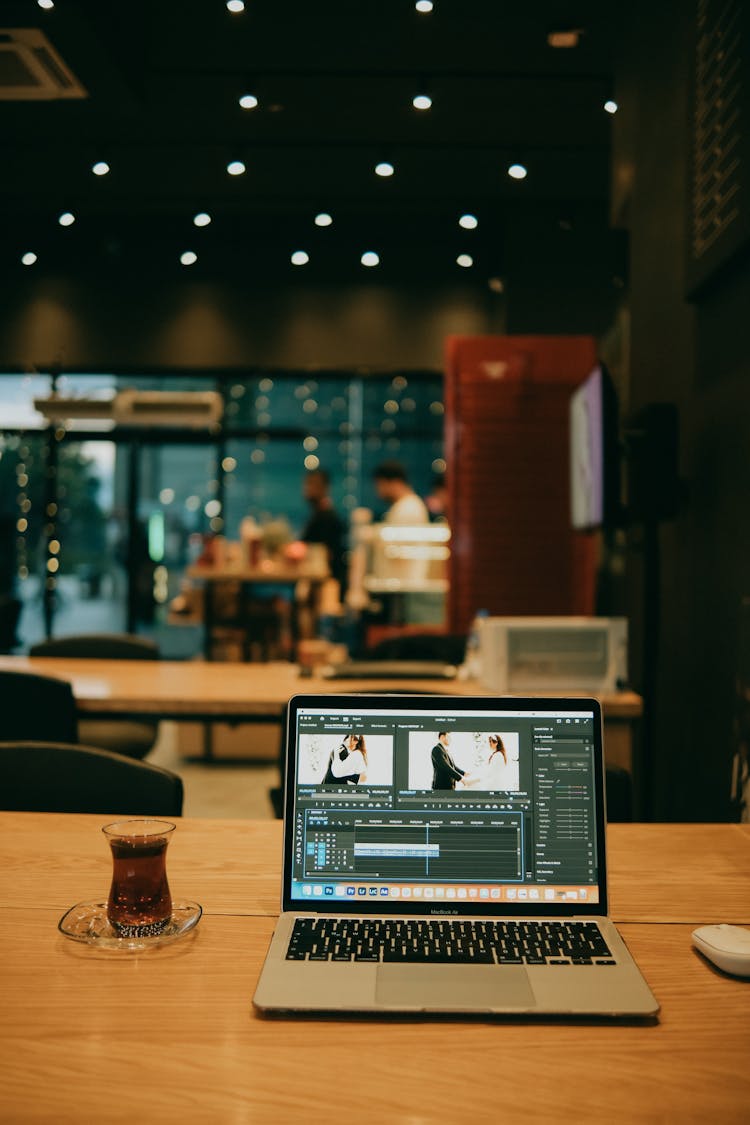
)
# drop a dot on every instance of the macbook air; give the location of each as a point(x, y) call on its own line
point(446, 855)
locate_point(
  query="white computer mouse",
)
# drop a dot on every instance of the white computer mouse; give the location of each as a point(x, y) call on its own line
point(727, 946)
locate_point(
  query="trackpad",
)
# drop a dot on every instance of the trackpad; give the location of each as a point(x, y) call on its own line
point(461, 988)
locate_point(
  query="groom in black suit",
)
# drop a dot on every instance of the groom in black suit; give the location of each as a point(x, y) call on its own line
point(445, 772)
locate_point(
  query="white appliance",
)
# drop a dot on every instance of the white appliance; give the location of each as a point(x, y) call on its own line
point(553, 654)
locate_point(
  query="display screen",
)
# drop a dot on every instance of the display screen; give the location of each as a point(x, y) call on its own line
point(442, 807)
point(594, 452)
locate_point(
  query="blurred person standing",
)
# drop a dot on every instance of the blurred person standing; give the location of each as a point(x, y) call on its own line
point(325, 525)
point(392, 485)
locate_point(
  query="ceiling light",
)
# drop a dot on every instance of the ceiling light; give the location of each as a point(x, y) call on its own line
point(101, 168)
point(235, 5)
point(496, 284)
point(66, 219)
point(424, 5)
point(236, 168)
point(421, 101)
point(323, 219)
point(465, 261)
point(188, 258)
point(611, 106)
point(468, 222)
point(370, 258)
point(202, 219)
point(47, 5)
point(28, 258)
point(517, 172)
point(248, 101)
point(384, 168)
point(566, 38)
point(300, 258)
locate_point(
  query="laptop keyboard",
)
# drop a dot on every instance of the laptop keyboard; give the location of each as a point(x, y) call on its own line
point(448, 941)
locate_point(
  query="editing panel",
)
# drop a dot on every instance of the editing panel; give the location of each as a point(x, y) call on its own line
point(443, 848)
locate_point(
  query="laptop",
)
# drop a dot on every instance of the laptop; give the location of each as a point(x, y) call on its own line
point(391, 670)
point(446, 855)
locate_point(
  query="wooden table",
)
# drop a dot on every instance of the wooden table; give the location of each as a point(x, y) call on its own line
point(266, 573)
point(198, 690)
point(172, 1037)
point(192, 688)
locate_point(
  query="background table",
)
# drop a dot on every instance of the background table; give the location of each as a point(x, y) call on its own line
point(198, 690)
point(172, 1036)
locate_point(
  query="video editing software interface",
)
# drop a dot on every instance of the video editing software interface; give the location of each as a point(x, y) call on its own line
point(428, 804)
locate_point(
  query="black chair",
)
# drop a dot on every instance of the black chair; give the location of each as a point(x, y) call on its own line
point(36, 707)
point(124, 736)
point(619, 786)
point(10, 611)
point(57, 777)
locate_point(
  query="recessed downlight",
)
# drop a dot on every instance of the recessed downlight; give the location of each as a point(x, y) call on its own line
point(101, 168)
point(465, 261)
point(300, 258)
point(66, 219)
point(384, 168)
point(236, 168)
point(202, 219)
point(422, 101)
point(323, 219)
point(611, 105)
point(370, 259)
point(235, 6)
point(424, 6)
point(517, 171)
point(249, 101)
point(28, 258)
point(468, 222)
point(188, 258)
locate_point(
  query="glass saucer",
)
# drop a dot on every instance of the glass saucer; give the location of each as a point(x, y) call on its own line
point(87, 922)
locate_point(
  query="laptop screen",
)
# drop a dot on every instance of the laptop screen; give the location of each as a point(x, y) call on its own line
point(434, 804)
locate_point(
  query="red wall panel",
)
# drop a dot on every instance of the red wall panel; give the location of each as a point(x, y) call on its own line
point(513, 551)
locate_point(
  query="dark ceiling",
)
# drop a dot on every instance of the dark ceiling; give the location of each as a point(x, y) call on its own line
point(335, 83)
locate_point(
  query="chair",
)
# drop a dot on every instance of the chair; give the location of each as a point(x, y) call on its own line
point(619, 785)
point(124, 736)
point(57, 777)
point(36, 707)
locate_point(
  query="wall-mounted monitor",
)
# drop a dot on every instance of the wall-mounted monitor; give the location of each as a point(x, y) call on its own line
point(594, 453)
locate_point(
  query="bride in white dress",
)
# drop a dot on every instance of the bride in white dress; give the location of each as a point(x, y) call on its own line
point(498, 772)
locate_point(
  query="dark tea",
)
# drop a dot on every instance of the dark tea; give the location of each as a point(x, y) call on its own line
point(140, 904)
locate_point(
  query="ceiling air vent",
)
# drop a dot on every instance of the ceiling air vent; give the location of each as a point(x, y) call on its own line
point(168, 408)
point(32, 70)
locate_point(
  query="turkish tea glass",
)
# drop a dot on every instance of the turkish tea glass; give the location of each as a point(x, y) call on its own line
point(140, 904)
